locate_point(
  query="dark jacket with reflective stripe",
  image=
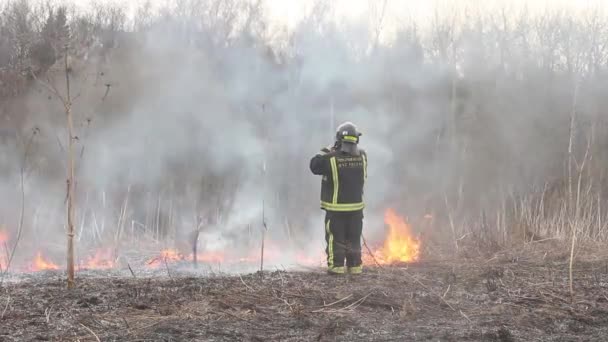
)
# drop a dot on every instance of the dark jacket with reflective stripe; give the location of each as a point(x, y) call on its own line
point(344, 177)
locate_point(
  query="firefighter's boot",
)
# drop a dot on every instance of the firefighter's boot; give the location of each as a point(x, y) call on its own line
point(336, 270)
point(355, 270)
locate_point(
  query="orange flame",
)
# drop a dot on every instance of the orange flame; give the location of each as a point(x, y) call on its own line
point(271, 252)
point(3, 250)
point(3, 237)
point(101, 260)
point(400, 245)
point(211, 257)
point(308, 260)
point(41, 264)
point(167, 255)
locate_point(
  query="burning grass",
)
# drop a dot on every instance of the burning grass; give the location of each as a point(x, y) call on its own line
point(398, 246)
point(519, 295)
point(42, 264)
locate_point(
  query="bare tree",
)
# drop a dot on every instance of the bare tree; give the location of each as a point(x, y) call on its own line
point(66, 100)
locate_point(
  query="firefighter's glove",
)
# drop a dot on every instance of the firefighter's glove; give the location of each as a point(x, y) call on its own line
point(328, 149)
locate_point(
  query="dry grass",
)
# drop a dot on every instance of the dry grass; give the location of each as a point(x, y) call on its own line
point(513, 295)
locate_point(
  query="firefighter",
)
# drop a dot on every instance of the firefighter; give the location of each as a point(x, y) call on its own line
point(343, 168)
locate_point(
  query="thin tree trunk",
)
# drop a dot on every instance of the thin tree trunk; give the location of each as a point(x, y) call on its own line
point(121, 222)
point(158, 217)
point(571, 146)
point(68, 111)
point(10, 256)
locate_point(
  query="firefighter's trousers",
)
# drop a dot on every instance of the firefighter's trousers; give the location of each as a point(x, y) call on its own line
point(343, 238)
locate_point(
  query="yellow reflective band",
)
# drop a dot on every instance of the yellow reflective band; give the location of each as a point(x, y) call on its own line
point(337, 270)
point(334, 173)
point(355, 270)
point(330, 244)
point(343, 207)
point(349, 138)
point(365, 166)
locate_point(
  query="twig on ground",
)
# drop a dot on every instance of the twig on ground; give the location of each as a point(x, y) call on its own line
point(281, 276)
point(287, 303)
point(8, 300)
point(492, 258)
point(338, 301)
point(563, 300)
point(91, 331)
point(257, 325)
point(47, 314)
point(465, 316)
point(429, 290)
point(351, 306)
point(131, 270)
point(359, 302)
point(370, 252)
point(446, 291)
point(247, 286)
point(167, 267)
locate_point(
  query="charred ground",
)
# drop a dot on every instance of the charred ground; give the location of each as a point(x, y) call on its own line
point(518, 295)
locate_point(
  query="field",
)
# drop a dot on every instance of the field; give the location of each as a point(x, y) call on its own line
point(522, 294)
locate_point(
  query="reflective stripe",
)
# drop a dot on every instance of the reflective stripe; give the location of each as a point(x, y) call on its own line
point(334, 205)
point(349, 138)
point(337, 270)
point(330, 245)
point(343, 207)
point(355, 270)
point(334, 173)
point(364, 167)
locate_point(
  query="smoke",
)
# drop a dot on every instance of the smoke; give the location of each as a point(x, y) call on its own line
point(183, 124)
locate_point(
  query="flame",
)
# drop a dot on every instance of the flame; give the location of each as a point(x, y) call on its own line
point(308, 260)
point(210, 257)
point(167, 255)
point(171, 255)
point(101, 260)
point(40, 264)
point(400, 245)
point(3, 249)
point(271, 252)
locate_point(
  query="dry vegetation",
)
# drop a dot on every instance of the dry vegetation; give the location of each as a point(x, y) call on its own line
point(514, 296)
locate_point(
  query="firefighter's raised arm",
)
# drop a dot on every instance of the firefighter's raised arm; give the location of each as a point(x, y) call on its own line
point(319, 164)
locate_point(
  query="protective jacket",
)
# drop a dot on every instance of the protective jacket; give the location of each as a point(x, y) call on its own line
point(343, 181)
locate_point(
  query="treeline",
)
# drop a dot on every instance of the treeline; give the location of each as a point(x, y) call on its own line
point(495, 123)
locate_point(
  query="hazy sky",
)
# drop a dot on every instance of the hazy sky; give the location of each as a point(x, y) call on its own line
point(290, 12)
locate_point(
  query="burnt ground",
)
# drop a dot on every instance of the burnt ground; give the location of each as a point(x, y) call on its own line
point(520, 295)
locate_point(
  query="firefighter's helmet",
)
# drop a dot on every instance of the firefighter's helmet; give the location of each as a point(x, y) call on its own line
point(347, 138)
point(348, 133)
